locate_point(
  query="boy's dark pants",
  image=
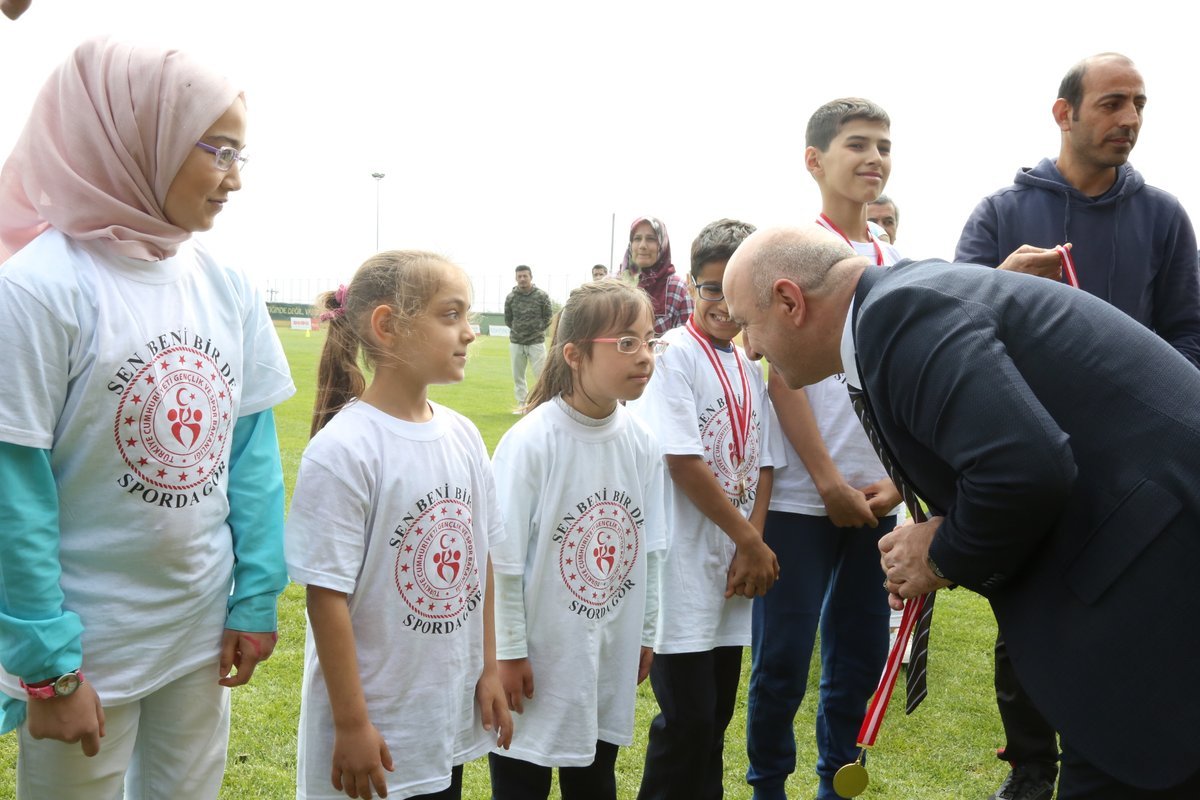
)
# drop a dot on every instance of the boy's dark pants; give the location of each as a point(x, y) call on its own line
point(696, 693)
point(514, 779)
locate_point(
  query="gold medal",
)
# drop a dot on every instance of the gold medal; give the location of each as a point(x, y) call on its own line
point(736, 465)
point(851, 780)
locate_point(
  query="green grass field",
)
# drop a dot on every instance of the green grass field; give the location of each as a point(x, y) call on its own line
point(945, 750)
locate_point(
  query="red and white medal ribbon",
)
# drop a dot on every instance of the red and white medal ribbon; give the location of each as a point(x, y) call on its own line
point(887, 681)
point(739, 415)
point(891, 670)
point(1068, 265)
point(826, 223)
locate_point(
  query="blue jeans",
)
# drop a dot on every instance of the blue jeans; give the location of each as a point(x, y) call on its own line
point(832, 576)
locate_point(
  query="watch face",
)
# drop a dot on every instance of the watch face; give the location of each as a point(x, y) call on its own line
point(67, 684)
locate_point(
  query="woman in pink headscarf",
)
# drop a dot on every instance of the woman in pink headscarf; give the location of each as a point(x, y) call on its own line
point(648, 262)
point(140, 480)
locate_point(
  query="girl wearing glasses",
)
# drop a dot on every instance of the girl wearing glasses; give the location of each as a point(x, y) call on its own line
point(140, 480)
point(580, 483)
point(647, 264)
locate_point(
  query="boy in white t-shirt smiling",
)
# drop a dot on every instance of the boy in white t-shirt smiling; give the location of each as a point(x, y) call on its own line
point(708, 405)
point(832, 501)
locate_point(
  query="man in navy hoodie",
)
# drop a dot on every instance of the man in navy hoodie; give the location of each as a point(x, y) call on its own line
point(1132, 245)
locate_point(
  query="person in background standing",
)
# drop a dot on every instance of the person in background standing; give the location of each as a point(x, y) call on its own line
point(884, 212)
point(647, 262)
point(527, 313)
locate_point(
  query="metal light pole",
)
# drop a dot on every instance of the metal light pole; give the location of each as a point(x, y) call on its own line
point(378, 176)
point(612, 239)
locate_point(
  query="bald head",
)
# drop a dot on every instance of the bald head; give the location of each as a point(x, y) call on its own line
point(806, 256)
point(789, 289)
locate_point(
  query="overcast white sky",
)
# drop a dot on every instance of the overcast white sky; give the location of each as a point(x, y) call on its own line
point(512, 132)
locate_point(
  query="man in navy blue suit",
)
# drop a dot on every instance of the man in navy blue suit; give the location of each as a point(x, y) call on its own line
point(1054, 438)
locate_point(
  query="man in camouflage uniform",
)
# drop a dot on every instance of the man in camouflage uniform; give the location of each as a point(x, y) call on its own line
point(527, 314)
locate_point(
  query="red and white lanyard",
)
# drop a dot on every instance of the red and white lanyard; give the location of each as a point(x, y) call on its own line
point(826, 223)
point(1068, 265)
point(739, 415)
point(891, 670)
point(887, 681)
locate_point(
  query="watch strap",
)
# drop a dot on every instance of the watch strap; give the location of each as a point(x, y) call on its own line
point(56, 687)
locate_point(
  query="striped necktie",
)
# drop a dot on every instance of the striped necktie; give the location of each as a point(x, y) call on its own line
point(915, 679)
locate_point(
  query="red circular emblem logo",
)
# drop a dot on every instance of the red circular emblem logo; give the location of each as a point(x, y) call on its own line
point(717, 435)
point(174, 418)
point(435, 564)
point(598, 552)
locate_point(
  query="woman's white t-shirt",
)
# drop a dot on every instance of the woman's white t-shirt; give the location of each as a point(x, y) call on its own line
point(132, 374)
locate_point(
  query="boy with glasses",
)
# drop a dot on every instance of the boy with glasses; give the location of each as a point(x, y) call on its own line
point(708, 405)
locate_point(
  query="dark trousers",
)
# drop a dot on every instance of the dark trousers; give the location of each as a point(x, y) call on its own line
point(1031, 740)
point(514, 779)
point(696, 693)
point(829, 575)
point(1081, 781)
point(1028, 738)
point(451, 792)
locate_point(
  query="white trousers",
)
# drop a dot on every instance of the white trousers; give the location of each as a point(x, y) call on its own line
point(522, 355)
point(169, 744)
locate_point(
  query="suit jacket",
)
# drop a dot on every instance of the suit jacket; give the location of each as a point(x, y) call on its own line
point(1061, 440)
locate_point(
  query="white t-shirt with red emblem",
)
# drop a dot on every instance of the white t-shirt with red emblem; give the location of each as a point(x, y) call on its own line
point(133, 373)
point(583, 506)
point(399, 516)
point(685, 405)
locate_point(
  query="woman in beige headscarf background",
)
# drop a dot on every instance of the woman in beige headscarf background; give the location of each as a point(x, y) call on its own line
point(139, 466)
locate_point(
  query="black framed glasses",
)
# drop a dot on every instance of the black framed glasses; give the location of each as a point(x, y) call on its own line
point(632, 344)
point(225, 157)
point(710, 291)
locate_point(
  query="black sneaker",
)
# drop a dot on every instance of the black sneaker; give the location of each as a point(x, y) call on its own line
point(1026, 783)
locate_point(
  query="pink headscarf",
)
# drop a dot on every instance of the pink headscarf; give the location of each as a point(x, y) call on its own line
point(106, 137)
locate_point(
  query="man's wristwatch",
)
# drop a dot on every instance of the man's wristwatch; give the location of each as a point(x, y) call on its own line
point(62, 686)
point(934, 568)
